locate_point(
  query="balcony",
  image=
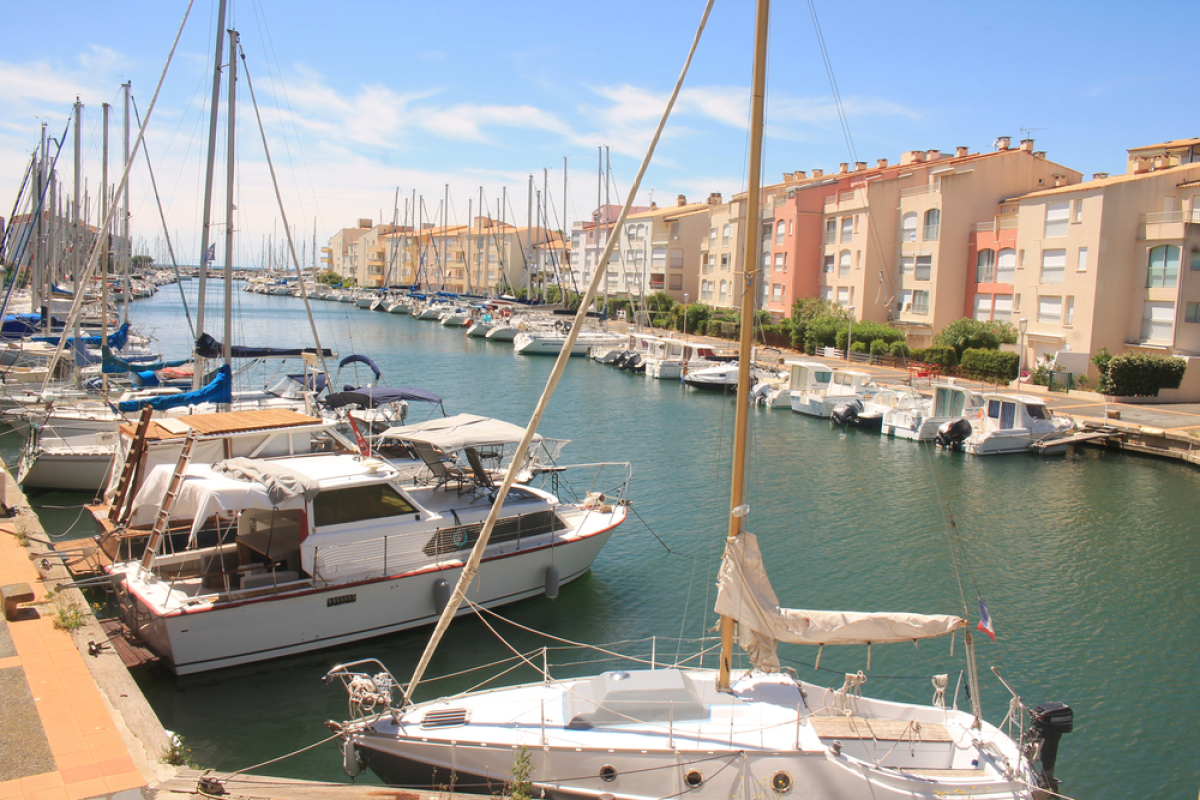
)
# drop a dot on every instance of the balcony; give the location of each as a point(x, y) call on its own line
point(913, 191)
point(1168, 225)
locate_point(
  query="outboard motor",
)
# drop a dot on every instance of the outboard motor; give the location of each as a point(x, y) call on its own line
point(951, 435)
point(846, 413)
point(620, 361)
point(1050, 722)
point(634, 364)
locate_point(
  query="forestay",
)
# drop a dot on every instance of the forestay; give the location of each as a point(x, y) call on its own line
point(744, 593)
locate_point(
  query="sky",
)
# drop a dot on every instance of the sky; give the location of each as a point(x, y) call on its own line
point(364, 99)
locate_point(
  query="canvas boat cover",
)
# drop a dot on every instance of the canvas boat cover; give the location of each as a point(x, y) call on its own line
point(220, 390)
point(282, 483)
point(744, 593)
point(374, 396)
point(454, 433)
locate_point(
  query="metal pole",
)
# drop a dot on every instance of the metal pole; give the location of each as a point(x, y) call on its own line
point(206, 210)
point(229, 153)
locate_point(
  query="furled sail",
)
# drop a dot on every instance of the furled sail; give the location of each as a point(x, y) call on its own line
point(744, 593)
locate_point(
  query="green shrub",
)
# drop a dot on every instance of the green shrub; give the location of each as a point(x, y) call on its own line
point(900, 349)
point(867, 333)
point(858, 347)
point(880, 348)
point(990, 365)
point(966, 333)
point(944, 357)
point(1139, 374)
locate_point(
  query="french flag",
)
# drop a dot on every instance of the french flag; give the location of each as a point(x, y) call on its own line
point(985, 620)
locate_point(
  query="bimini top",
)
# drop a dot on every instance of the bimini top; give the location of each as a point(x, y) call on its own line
point(460, 431)
point(374, 396)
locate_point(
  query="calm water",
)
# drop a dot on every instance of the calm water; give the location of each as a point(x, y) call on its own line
point(1089, 563)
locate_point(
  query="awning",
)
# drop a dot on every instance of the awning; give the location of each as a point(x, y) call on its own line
point(451, 434)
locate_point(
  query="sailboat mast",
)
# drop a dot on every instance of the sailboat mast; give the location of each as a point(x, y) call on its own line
point(231, 113)
point(104, 246)
point(750, 267)
point(124, 237)
point(210, 164)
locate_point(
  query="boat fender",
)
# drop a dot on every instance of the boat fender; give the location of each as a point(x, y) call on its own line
point(350, 763)
point(441, 595)
point(552, 581)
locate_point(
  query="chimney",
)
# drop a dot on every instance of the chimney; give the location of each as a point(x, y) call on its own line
point(818, 173)
point(1039, 154)
point(1160, 162)
point(681, 200)
point(961, 152)
point(880, 163)
point(800, 175)
point(912, 157)
point(1099, 176)
point(1027, 145)
point(1003, 142)
point(365, 223)
point(1059, 180)
point(714, 199)
point(843, 168)
point(653, 205)
point(933, 155)
point(859, 166)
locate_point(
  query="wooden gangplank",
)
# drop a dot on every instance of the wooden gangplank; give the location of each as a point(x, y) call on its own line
point(1060, 445)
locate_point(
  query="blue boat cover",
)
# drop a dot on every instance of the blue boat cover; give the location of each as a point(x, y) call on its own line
point(219, 391)
point(116, 340)
point(363, 360)
point(208, 347)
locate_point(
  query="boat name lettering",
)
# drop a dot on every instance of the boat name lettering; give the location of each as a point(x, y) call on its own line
point(340, 600)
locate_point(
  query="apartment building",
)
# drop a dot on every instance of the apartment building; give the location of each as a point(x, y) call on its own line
point(1113, 263)
point(342, 255)
point(658, 250)
point(590, 237)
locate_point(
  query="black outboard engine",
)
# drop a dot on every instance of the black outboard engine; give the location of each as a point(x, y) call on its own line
point(621, 359)
point(634, 364)
point(1050, 722)
point(951, 435)
point(846, 413)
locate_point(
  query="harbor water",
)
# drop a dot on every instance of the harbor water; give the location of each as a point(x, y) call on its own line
point(1089, 563)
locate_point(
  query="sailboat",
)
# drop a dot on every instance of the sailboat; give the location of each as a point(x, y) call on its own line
point(669, 731)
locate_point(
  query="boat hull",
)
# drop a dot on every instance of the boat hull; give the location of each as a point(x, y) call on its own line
point(309, 619)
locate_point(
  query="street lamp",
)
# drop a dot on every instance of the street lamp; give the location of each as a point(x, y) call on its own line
point(850, 332)
point(1022, 326)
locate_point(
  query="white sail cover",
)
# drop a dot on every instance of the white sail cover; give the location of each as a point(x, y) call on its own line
point(744, 593)
point(459, 431)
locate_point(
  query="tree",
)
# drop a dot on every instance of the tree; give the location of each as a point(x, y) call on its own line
point(968, 334)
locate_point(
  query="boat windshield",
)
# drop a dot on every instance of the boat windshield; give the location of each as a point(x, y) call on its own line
point(1037, 412)
point(357, 503)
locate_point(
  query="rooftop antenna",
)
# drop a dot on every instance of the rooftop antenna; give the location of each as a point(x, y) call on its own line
point(1026, 131)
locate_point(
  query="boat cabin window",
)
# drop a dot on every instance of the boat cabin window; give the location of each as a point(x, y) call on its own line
point(1037, 412)
point(356, 503)
point(1005, 412)
point(949, 404)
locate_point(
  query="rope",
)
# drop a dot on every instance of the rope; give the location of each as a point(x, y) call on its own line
point(939, 690)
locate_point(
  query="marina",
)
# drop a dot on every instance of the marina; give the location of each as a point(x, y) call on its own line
point(1060, 547)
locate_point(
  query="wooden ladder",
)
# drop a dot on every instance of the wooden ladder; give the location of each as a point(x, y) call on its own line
point(164, 509)
point(117, 513)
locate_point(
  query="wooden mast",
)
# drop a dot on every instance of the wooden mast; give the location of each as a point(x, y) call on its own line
point(750, 267)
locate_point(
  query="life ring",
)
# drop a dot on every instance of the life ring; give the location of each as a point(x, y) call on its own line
point(980, 414)
point(460, 538)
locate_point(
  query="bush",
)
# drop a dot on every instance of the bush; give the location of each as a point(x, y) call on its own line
point(966, 333)
point(900, 349)
point(944, 357)
point(990, 365)
point(880, 348)
point(858, 347)
point(867, 333)
point(1138, 374)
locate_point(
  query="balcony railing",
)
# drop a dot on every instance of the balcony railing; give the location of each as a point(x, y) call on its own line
point(1192, 216)
point(913, 191)
point(985, 227)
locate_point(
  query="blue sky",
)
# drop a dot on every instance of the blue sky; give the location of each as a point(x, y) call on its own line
point(360, 98)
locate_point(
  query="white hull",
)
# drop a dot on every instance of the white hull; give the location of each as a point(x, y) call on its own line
point(312, 619)
point(75, 469)
point(1012, 440)
point(531, 344)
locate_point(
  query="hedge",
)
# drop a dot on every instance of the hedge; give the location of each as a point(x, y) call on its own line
point(1141, 374)
point(990, 365)
point(945, 357)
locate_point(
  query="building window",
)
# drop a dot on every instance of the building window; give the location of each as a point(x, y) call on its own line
point(780, 230)
point(676, 259)
point(908, 227)
point(1077, 211)
point(906, 265)
point(983, 307)
point(826, 293)
point(658, 257)
point(1054, 264)
point(1192, 313)
point(781, 262)
point(933, 222)
point(906, 300)
point(1164, 267)
point(777, 293)
point(1002, 308)
point(1157, 321)
point(985, 266)
point(831, 231)
point(843, 296)
point(726, 233)
point(847, 228)
point(676, 283)
point(844, 264)
point(675, 230)
point(920, 301)
point(829, 264)
point(1081, 260)
point(1069, 311)
point(712, 237)
point(1050, 309)
point(1056, 219)
point(1006, 266)
point(924, 268)
point(1195, 262)
point(789, 227)
point(724, 290)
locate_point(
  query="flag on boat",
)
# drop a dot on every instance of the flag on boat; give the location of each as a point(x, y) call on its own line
point(211, 255)
point(985, 620)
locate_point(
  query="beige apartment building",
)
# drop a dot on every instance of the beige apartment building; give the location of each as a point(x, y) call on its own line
point(896, 240)
point(342, 255)
point(1114, 263)
point(658, 250)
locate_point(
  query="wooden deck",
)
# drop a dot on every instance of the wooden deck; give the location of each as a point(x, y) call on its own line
point(227, 422)
point(885, 730)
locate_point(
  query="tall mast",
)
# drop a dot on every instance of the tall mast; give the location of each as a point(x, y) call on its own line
point(206, 210)
point(750, 268)
point(125, 243)
point(529, 239)
point(229, 153)
point(76, 228)
point(104, 244)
